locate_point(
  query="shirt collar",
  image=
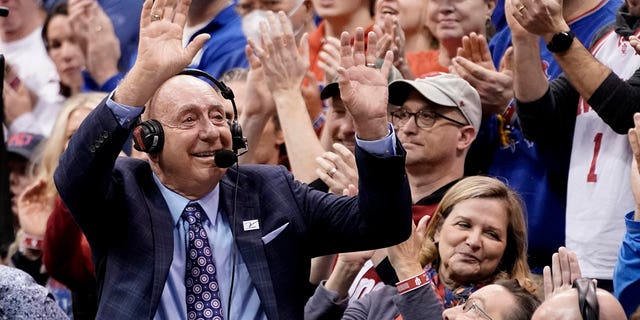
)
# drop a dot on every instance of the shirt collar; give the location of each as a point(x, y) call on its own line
point(177, 202)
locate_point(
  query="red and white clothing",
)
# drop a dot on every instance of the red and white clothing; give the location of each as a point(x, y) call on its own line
point(598, 189)
point(599, 192)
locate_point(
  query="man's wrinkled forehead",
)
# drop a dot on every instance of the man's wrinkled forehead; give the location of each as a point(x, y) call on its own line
point(184, 90)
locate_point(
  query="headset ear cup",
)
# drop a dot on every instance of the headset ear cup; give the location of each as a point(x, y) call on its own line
point(237, 139)
point(148, 136)
point(138, 142)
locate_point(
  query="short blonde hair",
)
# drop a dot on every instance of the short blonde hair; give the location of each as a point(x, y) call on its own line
point(514, 259)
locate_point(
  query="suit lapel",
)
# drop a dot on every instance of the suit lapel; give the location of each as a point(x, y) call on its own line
point(162, 230)
point(249, 242)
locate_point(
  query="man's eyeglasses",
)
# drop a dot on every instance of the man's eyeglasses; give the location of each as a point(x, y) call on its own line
point(473, 306)
point(423, 119)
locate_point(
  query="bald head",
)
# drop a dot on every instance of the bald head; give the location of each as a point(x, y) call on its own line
point(177, 90)
point(565, 306)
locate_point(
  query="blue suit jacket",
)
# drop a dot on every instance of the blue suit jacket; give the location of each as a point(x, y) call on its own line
point(127, 222)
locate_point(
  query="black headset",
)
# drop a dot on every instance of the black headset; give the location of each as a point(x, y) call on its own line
point(148, 136)
point(587, 298)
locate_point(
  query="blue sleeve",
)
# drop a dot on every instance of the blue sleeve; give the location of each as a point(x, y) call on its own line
point(125, 115)
point(383, 147)
point(112, 82)
point(107, 86)
point(626, 275)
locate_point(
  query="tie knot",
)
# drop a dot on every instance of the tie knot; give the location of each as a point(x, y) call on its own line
point(193, 213)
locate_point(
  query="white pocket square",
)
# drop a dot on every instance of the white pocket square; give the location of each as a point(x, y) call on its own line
point(273, 234)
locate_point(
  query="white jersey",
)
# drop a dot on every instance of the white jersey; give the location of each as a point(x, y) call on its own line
point(598, 191)
point(36, 70)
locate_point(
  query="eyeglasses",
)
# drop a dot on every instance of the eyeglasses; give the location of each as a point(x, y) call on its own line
point(423, 119)
point(476, 308)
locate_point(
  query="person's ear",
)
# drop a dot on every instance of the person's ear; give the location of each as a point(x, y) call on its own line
point(436, 237)
point(279, 137)
point(466, 136)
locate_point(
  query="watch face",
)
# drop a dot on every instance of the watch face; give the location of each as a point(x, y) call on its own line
point(561, 41)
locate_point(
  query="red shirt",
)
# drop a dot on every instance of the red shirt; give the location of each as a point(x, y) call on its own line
point(424, 62)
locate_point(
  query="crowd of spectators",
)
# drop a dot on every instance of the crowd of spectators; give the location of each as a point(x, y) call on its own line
point(509, 130)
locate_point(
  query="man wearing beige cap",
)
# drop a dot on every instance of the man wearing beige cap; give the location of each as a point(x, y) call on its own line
point(436, 119)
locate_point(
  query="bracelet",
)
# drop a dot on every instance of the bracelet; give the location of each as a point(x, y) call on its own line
point(412, 283)
point(33, 243)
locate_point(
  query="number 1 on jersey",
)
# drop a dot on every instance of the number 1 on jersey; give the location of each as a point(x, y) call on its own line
point(597, 140)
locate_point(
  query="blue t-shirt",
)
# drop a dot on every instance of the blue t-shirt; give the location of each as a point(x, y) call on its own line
point(225, 49)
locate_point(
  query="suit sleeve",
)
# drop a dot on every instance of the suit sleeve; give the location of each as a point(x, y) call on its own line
point(379, 216)
point(85, 174)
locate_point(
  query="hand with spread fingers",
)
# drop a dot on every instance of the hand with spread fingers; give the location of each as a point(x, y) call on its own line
point(564, 270)
point(160, 51)
point(284, 67)
point(363, 87)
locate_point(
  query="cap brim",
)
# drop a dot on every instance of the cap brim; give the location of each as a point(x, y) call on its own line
point(399, 91)
point(19, 152)
point(330, 90)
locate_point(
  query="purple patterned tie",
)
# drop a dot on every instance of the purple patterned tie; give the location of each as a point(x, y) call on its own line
point(203, 299)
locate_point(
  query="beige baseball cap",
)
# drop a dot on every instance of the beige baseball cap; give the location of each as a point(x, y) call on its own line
point(443, 89)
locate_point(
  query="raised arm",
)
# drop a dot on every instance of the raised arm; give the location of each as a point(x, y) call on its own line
point(626, 279)
point(285, 68)
point(161, 26)
point(529, 81)
point(363, 88)
point(545, 19)
point(84, 177)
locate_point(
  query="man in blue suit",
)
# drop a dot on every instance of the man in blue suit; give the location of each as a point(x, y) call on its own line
point(254, 229)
